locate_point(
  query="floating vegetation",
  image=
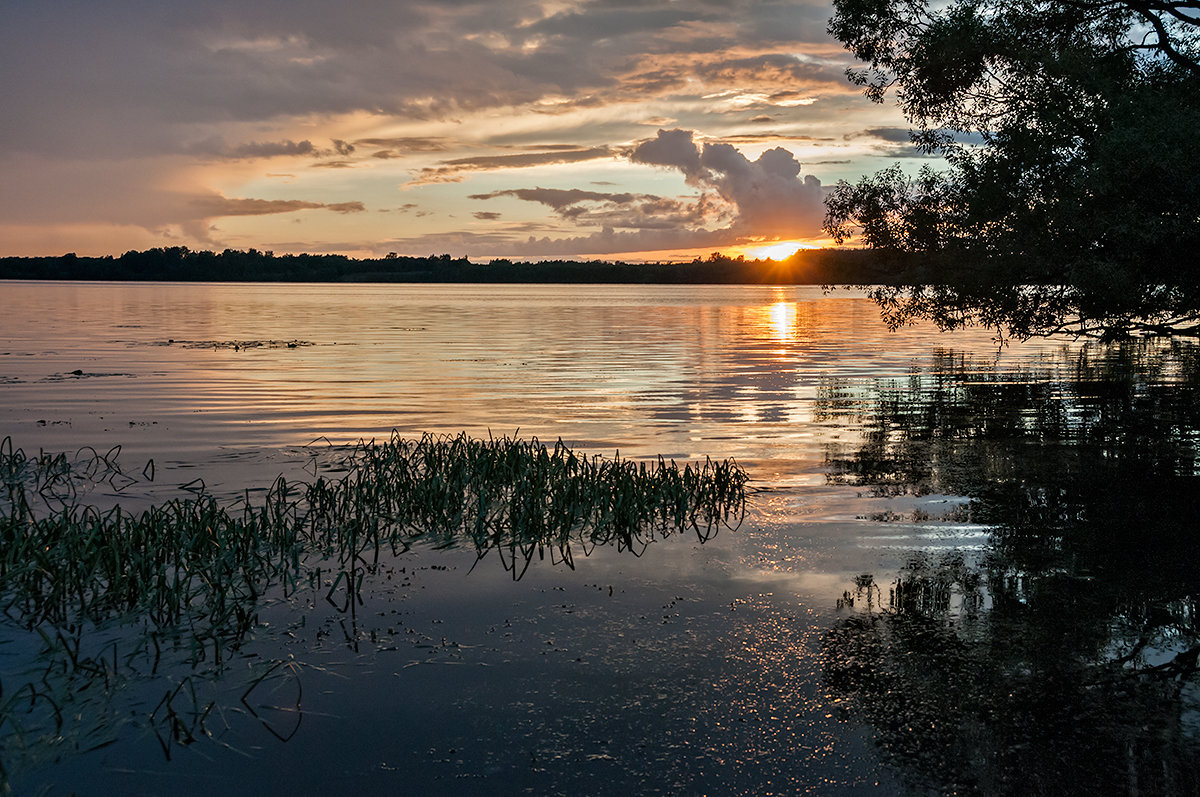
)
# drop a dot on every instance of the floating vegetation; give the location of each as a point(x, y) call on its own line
point(190, 572)
point(238, 345)
point(79, 373)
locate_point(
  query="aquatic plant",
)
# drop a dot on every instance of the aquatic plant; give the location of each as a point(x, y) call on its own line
point(190, 572)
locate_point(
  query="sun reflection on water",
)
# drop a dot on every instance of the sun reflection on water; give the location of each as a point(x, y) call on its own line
point(783, 320)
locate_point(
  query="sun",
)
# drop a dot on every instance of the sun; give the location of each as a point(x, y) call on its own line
point(781, 250)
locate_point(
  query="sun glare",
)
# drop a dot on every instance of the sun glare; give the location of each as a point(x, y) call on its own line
point(775, 251)
point(783, 320)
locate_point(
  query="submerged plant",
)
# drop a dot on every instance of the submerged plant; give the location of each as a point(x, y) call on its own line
point(191, 571)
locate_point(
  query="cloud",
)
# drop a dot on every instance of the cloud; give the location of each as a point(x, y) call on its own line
point(739, 200)
point(42, 191)
point(486, 215)
point(627, 211)
point(598, 23)
point(773, 69)
point(217, 148)
point(130, 124)
point(509, 243)
point(345, 207)
point(559, 198)
point(760, 138)
point(205, 209)
point(732, 82)
point(674, 148)
point(216, 206)
point(404, 146)
point(455, 170)
point(769, 194)
point(408, 143)
point(897, 142)
point(894, 135)
point(81, 81)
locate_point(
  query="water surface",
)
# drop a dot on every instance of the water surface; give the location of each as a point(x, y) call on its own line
point(885, 465)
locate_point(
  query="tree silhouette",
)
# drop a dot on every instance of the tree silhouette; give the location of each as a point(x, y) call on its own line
point(1066, 204)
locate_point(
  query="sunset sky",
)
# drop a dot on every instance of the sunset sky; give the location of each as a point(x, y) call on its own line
point(523, 129)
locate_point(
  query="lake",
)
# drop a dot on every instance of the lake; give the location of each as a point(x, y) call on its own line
point(964, 565)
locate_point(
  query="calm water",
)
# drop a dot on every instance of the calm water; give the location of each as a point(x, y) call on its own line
point(944, 581)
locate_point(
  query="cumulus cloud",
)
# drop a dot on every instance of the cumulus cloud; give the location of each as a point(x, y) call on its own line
point(675, 148)
point(769, 194)
point(738, 200)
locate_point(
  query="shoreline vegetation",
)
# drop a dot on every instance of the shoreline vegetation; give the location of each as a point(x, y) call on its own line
point(180, 264)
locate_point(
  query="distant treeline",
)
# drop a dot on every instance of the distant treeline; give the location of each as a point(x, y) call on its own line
point(178, 263)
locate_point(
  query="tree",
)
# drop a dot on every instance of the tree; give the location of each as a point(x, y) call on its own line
point(1069, 200)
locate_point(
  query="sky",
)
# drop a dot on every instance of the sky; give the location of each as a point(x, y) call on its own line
point(522, 129)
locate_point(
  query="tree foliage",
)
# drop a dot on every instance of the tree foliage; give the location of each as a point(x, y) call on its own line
point(1069, 199)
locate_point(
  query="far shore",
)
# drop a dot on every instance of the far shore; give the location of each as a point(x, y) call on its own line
point(179, 264)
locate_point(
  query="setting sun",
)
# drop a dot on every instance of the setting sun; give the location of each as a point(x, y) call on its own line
point(776, 251)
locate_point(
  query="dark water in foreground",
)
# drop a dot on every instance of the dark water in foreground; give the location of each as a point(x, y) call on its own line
point(964, 568)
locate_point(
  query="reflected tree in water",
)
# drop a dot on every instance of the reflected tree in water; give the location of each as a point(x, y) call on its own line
point(1063, 658)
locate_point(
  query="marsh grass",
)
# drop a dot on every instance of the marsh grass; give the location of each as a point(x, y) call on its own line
point(188, 574)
